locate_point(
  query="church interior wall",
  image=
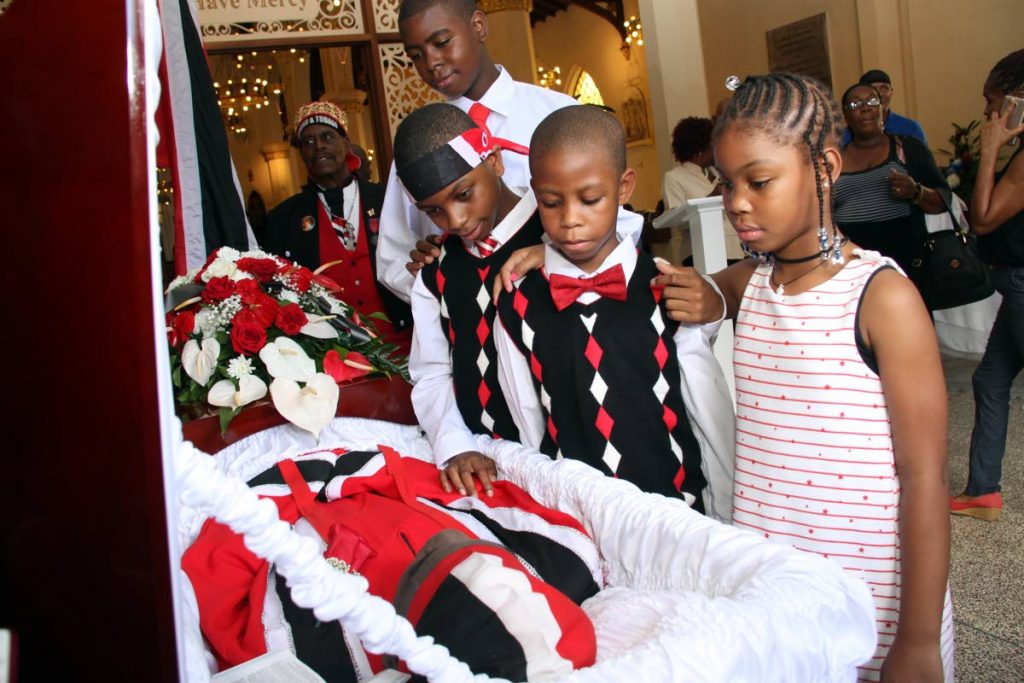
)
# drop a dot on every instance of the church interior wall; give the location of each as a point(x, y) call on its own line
point(937, 52)
point(577, 38)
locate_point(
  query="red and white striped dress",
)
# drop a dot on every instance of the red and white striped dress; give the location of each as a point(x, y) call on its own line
point(814, 454)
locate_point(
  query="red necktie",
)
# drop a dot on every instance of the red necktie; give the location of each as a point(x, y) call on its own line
point(610, 283)
point(486, 246)
point(479, 114)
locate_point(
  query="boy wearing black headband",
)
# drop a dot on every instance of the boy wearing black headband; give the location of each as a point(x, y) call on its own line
point(593, 368)
point(446, 42)
point(453, 172)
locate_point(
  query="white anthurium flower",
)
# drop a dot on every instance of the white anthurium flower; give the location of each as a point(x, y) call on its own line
point(224, 394)
point(199, 361)
point(219, 268)
point(310, 407)
point(319, 328)
point(285, 359)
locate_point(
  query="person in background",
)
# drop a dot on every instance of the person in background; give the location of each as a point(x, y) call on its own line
point(887, 184)
point(892, 122)
point(689, 178)
point(997, 216)
point(333, 220)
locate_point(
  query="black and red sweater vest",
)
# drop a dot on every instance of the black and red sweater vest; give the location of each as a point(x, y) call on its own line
point(462, 283)
point(609, 382)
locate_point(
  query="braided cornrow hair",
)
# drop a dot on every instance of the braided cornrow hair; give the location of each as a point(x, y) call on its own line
point(792, 109)
point(1007, 75)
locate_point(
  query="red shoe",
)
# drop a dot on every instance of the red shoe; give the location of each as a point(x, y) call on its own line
point(987, 507)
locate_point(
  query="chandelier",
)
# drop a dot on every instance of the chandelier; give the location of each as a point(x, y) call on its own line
point(246, 83)
point(549, 78)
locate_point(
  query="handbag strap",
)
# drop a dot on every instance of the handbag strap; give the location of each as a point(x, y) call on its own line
point(947, 200)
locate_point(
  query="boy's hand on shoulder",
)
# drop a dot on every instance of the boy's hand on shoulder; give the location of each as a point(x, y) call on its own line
point(521, 262)
point(689, 298)
point(460, 470)
point(425, 252)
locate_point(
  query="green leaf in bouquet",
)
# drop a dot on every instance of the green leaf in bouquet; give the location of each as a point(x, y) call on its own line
point(226, 415)
point(379, 315)
point(176, 376)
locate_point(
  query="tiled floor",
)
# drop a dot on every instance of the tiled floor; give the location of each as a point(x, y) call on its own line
point(987, 567)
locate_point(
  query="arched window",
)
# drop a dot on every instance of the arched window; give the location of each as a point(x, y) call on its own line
point(585, 90)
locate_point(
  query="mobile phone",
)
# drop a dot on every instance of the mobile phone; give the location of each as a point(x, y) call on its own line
point(1015, 105)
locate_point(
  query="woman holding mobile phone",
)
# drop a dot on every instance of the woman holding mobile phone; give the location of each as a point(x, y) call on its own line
point(997, 216)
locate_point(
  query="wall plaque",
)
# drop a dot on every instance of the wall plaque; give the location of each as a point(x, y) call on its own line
point(801, 47)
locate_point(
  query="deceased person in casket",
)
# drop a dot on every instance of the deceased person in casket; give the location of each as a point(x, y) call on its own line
point(342, 556)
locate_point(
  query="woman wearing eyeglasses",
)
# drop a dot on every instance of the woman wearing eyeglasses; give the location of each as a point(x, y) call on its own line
point(887, 184)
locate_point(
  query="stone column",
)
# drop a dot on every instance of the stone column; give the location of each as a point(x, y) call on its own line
point(279, 165)
point(675, 68)
point(510, 37)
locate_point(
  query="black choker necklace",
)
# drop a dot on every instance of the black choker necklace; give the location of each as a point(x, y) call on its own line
point(805, 259)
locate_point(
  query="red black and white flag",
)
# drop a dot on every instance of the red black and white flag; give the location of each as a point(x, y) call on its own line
point(208, 207)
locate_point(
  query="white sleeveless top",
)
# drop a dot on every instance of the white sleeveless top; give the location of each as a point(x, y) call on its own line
point(814, 455)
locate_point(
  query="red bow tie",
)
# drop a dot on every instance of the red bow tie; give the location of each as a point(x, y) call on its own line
point(611, 284)
point(479, 114)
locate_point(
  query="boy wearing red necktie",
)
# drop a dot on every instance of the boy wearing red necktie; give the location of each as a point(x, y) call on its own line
point(453, 172)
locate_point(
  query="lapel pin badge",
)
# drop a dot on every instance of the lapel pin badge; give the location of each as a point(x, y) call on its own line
point(307, 223)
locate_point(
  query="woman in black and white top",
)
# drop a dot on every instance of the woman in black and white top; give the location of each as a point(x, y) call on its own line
point(888, 182)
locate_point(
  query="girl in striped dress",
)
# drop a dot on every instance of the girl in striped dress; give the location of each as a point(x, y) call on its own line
point(840, 398)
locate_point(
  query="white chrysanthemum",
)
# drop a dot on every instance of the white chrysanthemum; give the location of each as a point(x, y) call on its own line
point(289, 295)
point(207, 321)
point(240, 275)
point(219, 268)
point(256, 253)
point(239, 367)
point(228, 254)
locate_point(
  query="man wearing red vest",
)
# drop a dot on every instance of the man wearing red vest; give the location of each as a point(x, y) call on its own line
point(334, 219)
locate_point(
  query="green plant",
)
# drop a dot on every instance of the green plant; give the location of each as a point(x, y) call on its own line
point(963, 159)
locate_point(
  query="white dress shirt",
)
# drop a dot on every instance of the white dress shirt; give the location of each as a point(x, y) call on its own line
point(430, 361)
point(704, 390)
point(684, 182)
point(516, 109)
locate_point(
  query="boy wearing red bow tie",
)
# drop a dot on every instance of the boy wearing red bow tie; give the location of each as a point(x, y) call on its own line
point(453, 172)
point(593, 368)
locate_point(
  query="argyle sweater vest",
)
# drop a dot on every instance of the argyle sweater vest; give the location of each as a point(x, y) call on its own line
point(609, 382)
point(462, 283)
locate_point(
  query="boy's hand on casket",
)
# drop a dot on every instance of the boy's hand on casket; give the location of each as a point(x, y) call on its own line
point(459, 471)
point(425, 252)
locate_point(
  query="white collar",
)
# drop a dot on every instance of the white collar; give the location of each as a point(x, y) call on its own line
point(513, 220)
point(498, 98)
point(624, 254)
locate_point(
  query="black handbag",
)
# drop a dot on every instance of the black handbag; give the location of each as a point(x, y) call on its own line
point(948, 270)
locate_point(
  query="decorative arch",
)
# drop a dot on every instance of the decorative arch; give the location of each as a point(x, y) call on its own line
point(583, 87)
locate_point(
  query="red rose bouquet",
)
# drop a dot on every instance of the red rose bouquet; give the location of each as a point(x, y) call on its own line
point(249, 323)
